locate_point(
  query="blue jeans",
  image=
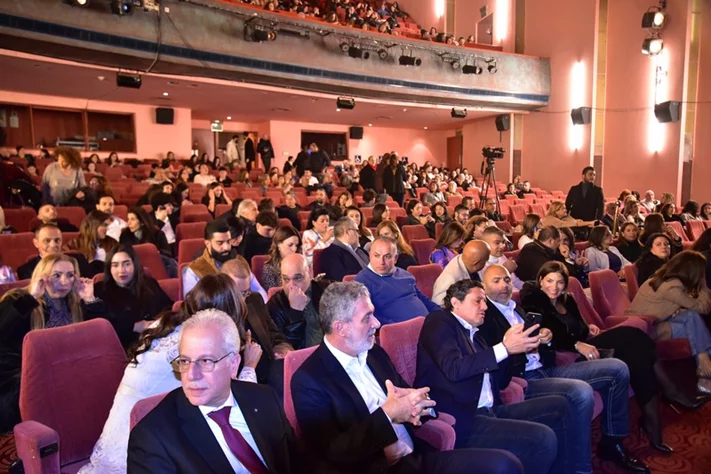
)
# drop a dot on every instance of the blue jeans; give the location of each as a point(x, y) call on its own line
point(535, 431)
point(689, 325)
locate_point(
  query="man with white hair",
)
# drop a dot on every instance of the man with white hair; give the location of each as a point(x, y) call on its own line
point(212, 423)
point(649, 202)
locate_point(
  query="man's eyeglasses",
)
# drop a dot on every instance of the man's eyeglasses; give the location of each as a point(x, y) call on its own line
point(182, 364)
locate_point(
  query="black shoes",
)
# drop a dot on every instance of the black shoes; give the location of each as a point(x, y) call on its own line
point(619, 455)
point(659, 445)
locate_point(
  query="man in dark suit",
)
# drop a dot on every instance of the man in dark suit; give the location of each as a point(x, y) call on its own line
point(48, 241)
point(302, 161)
point(266, 152)
point(463, 374)
point(367, 174)
point(211, 424)
point(250, 154)
point(344, 256)
point(575, 382)
point(585, 200)
point(356, 412)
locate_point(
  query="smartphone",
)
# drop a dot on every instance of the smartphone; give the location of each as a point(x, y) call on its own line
point(606, 353)
point(530, 320)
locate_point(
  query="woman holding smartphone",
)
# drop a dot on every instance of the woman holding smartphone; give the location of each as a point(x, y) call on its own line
point(548, 296)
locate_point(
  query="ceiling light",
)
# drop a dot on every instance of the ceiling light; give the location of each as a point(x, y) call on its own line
point(425, 128)
point(654, 19)
point(229, 117)
point(370, 124)
point(79, 3)
point(165, 94)
point(652, 46)
point(101, 78)
point(458, 112)
point(338, 110)
point(263, 35)
point(404, 110)
point(410, 61)
point(347, 103)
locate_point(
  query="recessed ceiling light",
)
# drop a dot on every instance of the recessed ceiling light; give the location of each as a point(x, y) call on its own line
point(338, 110)
point(404, 110)
point(165, 94)
point(425, 128)
point(229, 117)
point(172, 83)
point(101, 78)
point(370, 124)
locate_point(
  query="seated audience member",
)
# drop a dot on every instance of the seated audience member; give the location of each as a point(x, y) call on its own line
point(690, 212)
point(703, 245)
point(259, 241)
point(63, 181)
point(463, 374)
point(214, 195)
point(290, 210)
point(344, 201)
point(295, 307)
point(531, 226)
point(369, 196)
point(461, 214)
point(510, 190)
point(415, 217)
point(557, 216)
point(286, 241)
point(365, 236)
point(164, 218)
point(47, 214)
point(526, 189)
point(318, 234)
point(344, 256)
point(548, 297)
point(247, 211)
point(357, 413)
point(463, 267)
point(668, 212)
point(474, 229)
point(93, 242)
point(204, 177)
point(676, 296)
point(191, 429)
point(655, 255)
point(610, 377)
point(601, 254)
point(612, 209)
point(142, 230)
point(540, 251)
point(433, 195)
point(654, 224)
point(649, 202)
point(381, 213)
point(150, 373)
point(48, 241)
point(105, 203)
point(497, 244)
point(448, 245)
point(439, 213)
point(705, 212)
point(222, 177)
point(56, 296)
point(393, 291)
point(133, 300)
point(260, 327)
point(631, 213)
point(491, 213)
point(321, 199)
point(406, 256)
point(629, 245)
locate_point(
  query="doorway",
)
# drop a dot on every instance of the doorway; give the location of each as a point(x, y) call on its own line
point(454, 152)
point(334, 144)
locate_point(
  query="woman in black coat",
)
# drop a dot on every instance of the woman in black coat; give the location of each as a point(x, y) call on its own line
point(394, 180)
point(629, 245)
point(571, 333)
point(132, 299)
point(655, 255)
point(141, 230)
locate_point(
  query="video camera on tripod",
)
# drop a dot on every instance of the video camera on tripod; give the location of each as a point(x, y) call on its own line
point(491, 154)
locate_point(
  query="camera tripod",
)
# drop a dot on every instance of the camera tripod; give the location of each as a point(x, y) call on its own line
point(489, 182)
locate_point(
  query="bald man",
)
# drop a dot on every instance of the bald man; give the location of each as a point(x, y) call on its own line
point(464, 266)
point(294, 308)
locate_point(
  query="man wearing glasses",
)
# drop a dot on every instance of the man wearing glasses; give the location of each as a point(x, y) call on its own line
point(344, 256)
point(212, 423)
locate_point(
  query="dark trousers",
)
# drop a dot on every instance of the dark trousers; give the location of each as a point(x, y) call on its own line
point(267, 162)
point(459, 461)
point(535, 431)
point(398, 198)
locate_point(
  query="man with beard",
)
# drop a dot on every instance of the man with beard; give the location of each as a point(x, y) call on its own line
point(217, 251)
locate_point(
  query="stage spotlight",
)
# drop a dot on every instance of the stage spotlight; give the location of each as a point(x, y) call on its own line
point(456, 64)
point(132, 81)
point(344, 47)
point(652, 46)
point(654, 19)
point(410, 61)
point(458, 112)
point(356, 52)
point(382, 54)
point(468, 69)
point(491, 66)
point(122, 7)
point(78, 3)
point(263, 35)
point(347, 103)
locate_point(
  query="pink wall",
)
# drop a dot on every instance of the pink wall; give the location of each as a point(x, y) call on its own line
point(423, 12)
point(700, 189)
point(152, 140)
point(468, 15)
point(628, 161)
point(547, 158)
point(481, 133)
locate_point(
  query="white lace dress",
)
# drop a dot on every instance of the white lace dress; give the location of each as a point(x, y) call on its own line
point(151, 376)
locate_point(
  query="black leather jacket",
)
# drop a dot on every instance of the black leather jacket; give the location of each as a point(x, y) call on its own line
point(291, 322)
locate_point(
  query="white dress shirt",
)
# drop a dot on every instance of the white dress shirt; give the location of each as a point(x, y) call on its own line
point(517, 283)
point(204, 179)
point(509, 312)
point(373, 396)
point(486, 397)
point(115, 228)
point(237, 422)
point(168, 230)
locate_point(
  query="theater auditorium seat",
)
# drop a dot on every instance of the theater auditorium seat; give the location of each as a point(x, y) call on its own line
point(257, 264)
point(425, 277)
point(20, 218)
point(73, 214)
point(188, 248)
point(190, 230)
point(423, 249)
point(411, 232)
point(150, 258)
point(144, 407)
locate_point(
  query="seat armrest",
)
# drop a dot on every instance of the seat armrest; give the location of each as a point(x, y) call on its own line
point(522, 382)
point(37, 447)
point(447, 418)
point(640, 322)
point(437, 434)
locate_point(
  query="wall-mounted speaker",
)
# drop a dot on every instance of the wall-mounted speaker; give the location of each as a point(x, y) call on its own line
point(503, 122)
point(164, 116)
point(667, 111)
point(355, 133)
point(581, 115)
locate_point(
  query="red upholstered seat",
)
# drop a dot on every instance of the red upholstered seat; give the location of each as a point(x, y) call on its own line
point(518, 212)
point(505, 226)
point(15, 249)
point(425, 276)
point(423, 249)
point(73, 214)
point(188, 248)
point(221, 209)
point(411, 232)
point(171, 286)
point(69, 379)
point(679, 229)
point(144, 407)
point(257, 263)
point(190, 230)
point(316, 262)
point(349, 277)
point(5, 287)
point(150, 258)
point(694, 229)
point(538, 209)
point(608, 295)
point(20, 218)
point(273, 291)
point(439, 227)
point(292, 362)
point(631, 272)
point(121, 211)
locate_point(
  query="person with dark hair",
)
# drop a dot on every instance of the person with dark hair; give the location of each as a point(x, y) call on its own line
point(601, 254)
point(629, 245)
point(415, 216)
point(318, 234)
point(439, 213)
point(63, 180)
point(369, 197)
point(48, 241)
point(464, 375)
point(133, 300)
point(539, 252)
point(676, 296)
point(215, 194)
point(690, 212)
point(93, 242)
point(381, 213)
point(217, 251)
point(318, 160)
point(47, 214)
point(259, 241)
point(163, 216)
point(668, 212)
point(266, 205)
point(365, 236)
point(448, 245)
point(434, 195)
point(344, 256)
point(655, 255)
point(290, 210)
point(705, 212)
point(286, 241)
point(394, 179)
point(142, 230)
point(547, 296)
point(531, 226)
point(586, 201)
point(266, 151)
point(223, 179)
point(368, 175)
point(654, 224)
point(406, 256)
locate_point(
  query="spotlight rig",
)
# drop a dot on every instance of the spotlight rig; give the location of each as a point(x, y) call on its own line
point(653, 21)
point(122, 7)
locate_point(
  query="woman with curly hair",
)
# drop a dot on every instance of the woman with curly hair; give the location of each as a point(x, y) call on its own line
point(62, 181)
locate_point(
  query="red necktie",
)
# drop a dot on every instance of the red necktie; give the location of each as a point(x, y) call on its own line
point(236, 442)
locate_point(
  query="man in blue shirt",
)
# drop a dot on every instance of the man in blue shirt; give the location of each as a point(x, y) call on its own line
point(393, 291)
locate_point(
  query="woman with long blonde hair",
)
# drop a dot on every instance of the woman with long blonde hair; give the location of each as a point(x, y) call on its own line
point(56, 296)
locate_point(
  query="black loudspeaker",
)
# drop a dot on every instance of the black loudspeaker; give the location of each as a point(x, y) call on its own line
point(355, 133)
point(667, 111)
point(164, 116)
point(503, 122)
point(581, 115)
